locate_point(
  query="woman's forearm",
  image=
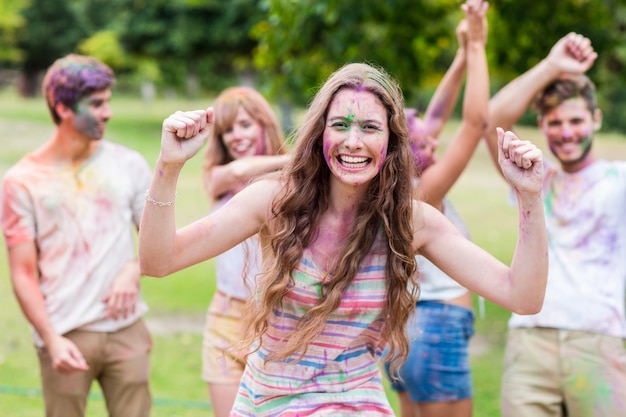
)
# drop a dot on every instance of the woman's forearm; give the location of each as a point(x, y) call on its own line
point(157, 232)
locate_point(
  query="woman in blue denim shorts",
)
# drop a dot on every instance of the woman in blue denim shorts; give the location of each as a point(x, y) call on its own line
point(435, 380)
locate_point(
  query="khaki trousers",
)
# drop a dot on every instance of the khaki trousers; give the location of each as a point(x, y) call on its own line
point(119, 361)
point(558, 373)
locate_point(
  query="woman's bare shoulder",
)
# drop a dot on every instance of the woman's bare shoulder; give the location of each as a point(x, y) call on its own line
point(427, 221)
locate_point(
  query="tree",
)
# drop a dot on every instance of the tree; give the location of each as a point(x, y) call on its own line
point(294, 45)
point(301, 42)
point(522, 33)
point(10, 23)
point(207, 42)
point(52, 30)
point(177, 42)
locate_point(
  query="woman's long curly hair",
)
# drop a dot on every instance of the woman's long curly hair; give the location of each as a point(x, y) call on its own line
point(225, 109)
point(386, 204)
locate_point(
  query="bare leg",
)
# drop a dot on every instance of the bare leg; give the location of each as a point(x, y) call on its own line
point(407, 407)
point(222, 398)
point(460, 408)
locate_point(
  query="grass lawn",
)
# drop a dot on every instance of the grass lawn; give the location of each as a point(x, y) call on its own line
point(178, 303)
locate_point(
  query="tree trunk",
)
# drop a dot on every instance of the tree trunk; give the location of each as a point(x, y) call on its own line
point(28, 84)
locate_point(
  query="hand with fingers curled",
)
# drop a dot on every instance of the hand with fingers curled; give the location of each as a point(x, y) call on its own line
point(573, 53)
point(121, 299)
point(183, 135)
point(65, 356)
point(521, 162)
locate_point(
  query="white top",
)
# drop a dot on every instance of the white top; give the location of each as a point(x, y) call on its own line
point(586, 224)
point(435, 285)
point(81, 221)
point(237, 265)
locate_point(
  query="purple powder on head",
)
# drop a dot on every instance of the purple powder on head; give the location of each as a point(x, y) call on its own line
point(72, 77)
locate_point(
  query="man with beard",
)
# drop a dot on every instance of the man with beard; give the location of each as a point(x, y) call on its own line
point(569, 359)
point(68, 210)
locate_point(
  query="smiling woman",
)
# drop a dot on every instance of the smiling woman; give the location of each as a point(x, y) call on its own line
point(356, 136)
point(339, 231)
point(246, 141)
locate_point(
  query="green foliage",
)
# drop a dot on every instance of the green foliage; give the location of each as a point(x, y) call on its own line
point(301, 42)
point(105, 46)
point(164, 41)
point(521, 34)
point(10, 23)
point(53, 30)
point(289, 47)
point(206, 39)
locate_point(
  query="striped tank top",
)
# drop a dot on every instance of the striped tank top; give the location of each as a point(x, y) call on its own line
point(340, 374)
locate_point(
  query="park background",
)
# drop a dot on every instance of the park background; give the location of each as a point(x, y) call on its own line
point(177, 54)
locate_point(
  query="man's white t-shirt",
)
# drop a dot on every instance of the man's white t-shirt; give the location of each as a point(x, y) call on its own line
point(586, 225)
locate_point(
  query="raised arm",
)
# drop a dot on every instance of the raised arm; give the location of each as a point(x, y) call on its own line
point(572, 53)
point(235, 175)
point(444, 99)
point(436, 181)
point(163, 249)
point(520, 287)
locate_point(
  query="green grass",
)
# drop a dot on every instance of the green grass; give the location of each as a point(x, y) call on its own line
point(481, 197)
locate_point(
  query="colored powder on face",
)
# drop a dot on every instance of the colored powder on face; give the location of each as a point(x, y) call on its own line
point(585, 143)
point(85, 122)
point(326, 146)
point(350, 118)
point(383, 155)
point(260, 144)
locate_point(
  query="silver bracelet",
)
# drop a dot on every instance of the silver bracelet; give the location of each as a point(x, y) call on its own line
point(159, 203)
